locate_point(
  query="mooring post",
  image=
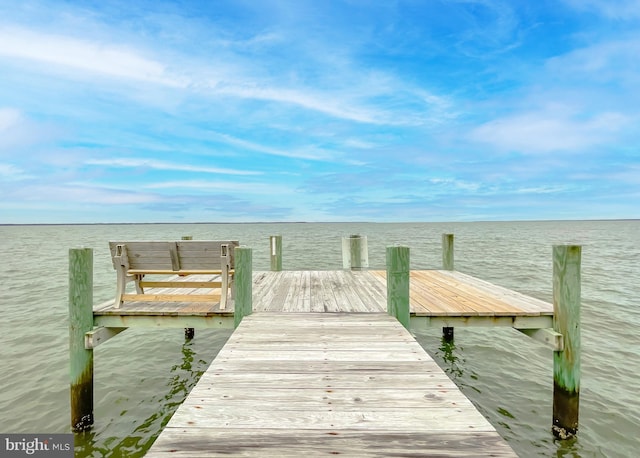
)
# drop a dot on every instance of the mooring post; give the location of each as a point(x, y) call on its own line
point(244, 283)
point(275, 245)
point(447, 264)
point(355, 253)
point(398, 265)
point(566, 321)
point(80, 322)
point(189, 333)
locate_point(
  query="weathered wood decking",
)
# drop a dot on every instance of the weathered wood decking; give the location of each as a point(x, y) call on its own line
point(433, 293)
point(324, 384)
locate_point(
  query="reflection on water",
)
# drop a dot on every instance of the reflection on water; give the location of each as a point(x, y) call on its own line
point(452, 363)
point(183, 376)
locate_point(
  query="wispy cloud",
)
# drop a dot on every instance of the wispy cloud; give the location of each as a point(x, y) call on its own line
point(623, 10)
point(85, 55)
point(295, 153)
point(549, 131)
point(265, 189)
point(9, 172)
point(163, 165)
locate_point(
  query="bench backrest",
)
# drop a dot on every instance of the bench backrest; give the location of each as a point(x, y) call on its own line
point(174, 255)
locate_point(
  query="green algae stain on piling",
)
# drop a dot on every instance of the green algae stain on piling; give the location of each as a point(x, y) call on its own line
point(566, 363)
point(80, 322)
point(82, 401)
point(398, 263)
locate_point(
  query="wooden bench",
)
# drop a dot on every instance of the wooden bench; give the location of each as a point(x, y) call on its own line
point(134, 260)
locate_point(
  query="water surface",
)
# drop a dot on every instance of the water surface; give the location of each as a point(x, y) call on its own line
point(141, 376)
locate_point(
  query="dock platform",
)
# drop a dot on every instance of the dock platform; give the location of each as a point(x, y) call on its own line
point(326, 384)
point(436, 294)
point(322, 362)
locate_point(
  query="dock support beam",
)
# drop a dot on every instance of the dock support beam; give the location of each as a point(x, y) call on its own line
point(447, 264)
point(275, 245)
point(244, 282)
point(189, 333)
point(80, 322)
point(398, 266)
point(566, 363)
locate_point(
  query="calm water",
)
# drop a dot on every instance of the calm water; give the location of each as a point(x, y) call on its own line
point(142, 376)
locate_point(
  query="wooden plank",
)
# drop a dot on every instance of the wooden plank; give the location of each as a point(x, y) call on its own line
point(293, 300)
point(173, 272)
point(263, 290)
point(156, 321)
point(329, 299)
point(341, 399)
point(172, 297)
point(181, 284)
point(317, 294)
point(207, 442)
point(280, 290)
point(173, 254)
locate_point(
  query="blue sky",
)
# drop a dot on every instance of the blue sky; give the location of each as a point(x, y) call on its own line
point(353, 110)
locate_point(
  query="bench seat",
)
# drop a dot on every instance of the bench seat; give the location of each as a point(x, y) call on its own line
point(134, 260)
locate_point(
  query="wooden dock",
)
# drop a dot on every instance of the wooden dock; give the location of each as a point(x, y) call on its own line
point(323, 362)
point(325, 384)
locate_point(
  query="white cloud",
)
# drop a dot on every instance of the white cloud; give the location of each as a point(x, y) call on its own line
point(83, 193)
point(613, 9)
point(608, 60)
point(9, 172)
point(378, 98)
point(163, 165)
point(90, 56)
point(548, 131)
point(264, 189)
point(9, 117)
point(252, 146)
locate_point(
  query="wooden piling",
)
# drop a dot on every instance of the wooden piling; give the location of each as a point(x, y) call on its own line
point(189, 333)
point(447, 264)
point(566, 363)
point(355, 253)
point(275, 244)
point(398, 265)
point(80, 322)
point(243, 283)
point(447, 251)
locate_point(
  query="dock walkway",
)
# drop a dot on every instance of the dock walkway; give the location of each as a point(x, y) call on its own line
point(325, 384)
